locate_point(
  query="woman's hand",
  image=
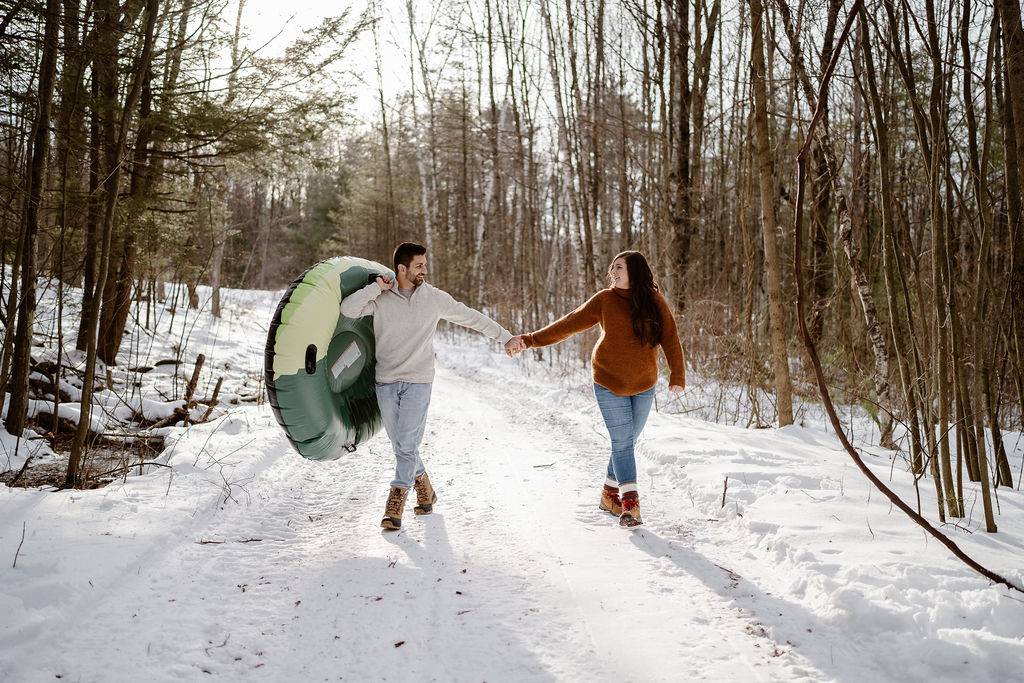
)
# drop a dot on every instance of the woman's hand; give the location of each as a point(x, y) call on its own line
point(675, 388)
point(515, 345)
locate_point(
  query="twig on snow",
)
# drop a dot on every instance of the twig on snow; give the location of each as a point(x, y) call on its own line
point(214, 647)
point(213, 400)
point(21, 471)
point(125, 468)
point(190, 388)
point(18, 551)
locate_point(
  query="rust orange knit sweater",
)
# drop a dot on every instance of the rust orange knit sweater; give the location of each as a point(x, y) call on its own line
point(620, 362)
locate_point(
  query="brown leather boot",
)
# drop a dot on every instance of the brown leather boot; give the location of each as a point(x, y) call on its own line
point(610, 498)
point(425, 496)
point(393, 509)
point(630, 509)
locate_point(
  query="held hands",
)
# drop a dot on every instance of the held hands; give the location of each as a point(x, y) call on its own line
point(515, 345)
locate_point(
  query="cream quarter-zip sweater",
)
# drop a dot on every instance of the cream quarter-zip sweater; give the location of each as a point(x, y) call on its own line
point(404, 328)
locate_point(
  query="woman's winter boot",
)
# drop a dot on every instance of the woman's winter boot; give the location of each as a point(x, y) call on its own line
point(630, 507)
point(610, 497)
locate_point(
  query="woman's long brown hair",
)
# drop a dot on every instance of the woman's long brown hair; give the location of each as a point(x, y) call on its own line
point(642, 289)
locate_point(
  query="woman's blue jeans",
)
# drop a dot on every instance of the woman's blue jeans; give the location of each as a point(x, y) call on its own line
point(403, 409)
point(625, 417)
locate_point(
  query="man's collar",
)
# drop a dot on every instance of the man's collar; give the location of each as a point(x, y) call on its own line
point(416, 287)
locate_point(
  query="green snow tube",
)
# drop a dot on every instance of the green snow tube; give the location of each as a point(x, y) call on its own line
point(319, 365)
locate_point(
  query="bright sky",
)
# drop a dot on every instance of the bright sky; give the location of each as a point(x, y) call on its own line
point(282, 22)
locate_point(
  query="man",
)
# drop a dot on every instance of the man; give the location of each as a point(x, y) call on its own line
point(405, 313)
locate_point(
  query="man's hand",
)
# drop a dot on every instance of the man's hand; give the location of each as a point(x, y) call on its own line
point(675, 389)
point(515, 345)
point(384, 282)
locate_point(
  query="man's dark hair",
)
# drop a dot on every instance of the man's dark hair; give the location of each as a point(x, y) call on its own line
point(404, 253)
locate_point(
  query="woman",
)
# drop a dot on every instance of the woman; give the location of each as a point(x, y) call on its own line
point(635, 320)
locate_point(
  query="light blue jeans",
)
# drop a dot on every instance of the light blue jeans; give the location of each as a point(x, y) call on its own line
point(625, 417)
point(403, 408)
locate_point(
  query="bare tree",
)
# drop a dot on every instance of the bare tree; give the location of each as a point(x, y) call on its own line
point(115, 127)
point(39, 146)
point(680, 181)
point(860, 279)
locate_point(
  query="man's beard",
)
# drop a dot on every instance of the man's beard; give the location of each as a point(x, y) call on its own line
point(417, 281)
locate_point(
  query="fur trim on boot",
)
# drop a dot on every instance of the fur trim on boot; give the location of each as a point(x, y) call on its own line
point(610, 498)
point(630, 506)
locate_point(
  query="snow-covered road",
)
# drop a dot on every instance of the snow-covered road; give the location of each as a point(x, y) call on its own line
point(284, 574)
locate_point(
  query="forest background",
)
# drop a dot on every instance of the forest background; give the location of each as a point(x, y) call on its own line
point(812, 181)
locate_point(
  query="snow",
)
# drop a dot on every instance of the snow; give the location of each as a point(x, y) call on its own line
point(232, 558)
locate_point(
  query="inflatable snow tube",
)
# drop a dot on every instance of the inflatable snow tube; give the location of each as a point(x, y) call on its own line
point(319, 365)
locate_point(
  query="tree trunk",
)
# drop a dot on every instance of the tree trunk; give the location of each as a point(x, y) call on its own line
point(680, 183)
point(389, 232)
point(581, 153)
point(565, 137)
point(39, 146)
point(1009, 12)
point(904, 350)
point(1013, 42)
point(982, 365)
point(941, 286)
point(220, 231)
point(427, 167)
point(117, 292)
point(491, 209)
point(819, 284)
point(70, 140)
point(94, 216)
point(769, 227)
